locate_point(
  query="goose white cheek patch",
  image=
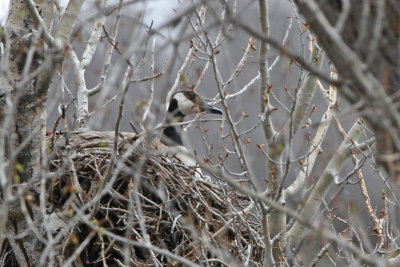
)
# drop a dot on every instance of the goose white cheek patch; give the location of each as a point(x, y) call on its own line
point(185, 105)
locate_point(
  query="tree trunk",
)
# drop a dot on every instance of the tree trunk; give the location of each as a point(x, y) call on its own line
point(23, 103)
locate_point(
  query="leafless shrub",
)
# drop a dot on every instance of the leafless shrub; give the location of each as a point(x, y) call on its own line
point(277, 183)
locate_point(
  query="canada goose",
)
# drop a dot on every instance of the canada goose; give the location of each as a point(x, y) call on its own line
point(183, 103)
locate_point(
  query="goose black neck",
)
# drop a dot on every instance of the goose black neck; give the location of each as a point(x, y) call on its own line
point(171, 136)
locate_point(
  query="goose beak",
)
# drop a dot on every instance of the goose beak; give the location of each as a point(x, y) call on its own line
point(211, 109)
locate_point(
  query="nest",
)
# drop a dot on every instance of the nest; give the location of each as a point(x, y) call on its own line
point(154, 199)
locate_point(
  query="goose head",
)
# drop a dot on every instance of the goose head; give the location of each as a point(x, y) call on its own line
point(184, 103)
point(187, 102)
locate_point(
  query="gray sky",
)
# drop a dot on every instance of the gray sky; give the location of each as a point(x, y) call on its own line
point(4, 5)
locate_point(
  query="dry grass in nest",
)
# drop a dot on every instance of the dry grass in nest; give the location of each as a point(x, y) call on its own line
point(154, 199)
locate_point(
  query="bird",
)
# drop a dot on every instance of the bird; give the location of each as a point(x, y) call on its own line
point(168, 145)
point(183, 103)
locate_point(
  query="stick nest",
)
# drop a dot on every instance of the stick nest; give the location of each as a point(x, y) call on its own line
point(153, 198)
